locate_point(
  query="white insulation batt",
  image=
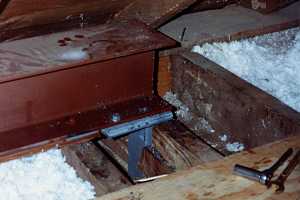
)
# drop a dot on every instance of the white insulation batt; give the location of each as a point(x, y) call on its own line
point(270, 62)
point(44, 176)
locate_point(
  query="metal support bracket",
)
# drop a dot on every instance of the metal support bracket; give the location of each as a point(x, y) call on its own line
point(136, 143)
point(140, 136)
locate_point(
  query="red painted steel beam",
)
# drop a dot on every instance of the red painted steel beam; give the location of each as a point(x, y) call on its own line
point(52, 108)
point(49, 96)
point(60, 105)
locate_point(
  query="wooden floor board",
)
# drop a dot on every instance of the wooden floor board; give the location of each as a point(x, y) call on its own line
point(214, 180)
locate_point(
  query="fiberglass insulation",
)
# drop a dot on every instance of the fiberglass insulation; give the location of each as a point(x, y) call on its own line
point(44, 176)
point(270, 62)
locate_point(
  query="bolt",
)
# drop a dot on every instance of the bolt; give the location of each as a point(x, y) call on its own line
point(143, 109)
point(115, 117)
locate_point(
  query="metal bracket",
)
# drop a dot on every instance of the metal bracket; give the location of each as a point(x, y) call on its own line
point(137, 141)
point(140, 136)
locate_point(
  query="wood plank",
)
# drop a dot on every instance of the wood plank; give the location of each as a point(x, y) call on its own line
point(220, 103)
point(214, 181)
point(175, 140)
point(94, 166)
point(155, 12)
point(25, 13)
point(230, 23)
point(16, 15)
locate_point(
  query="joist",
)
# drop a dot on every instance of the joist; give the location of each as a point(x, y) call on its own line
point(215, 180)
point(202, 84)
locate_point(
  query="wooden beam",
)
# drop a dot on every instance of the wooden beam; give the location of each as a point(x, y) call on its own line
point(17, 15)
point(220, 103)
point(26, 13)
point(94, 166)
point(214, 181)
point(155, 12)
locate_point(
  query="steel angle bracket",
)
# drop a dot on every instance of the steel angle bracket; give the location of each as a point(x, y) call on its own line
point(140, 136)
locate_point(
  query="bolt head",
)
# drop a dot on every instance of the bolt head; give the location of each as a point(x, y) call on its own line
point(116, 117)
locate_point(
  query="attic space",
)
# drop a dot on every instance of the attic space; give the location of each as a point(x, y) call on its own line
point(150, 100)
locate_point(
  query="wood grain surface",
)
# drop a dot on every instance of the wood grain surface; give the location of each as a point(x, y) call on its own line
point(177, 147)
point(214, 180)
point(16, 14)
